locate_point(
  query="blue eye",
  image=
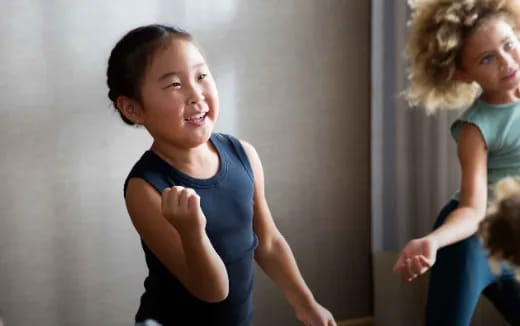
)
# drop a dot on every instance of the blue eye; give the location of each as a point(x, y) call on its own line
point(487, 59)
point(509, 45)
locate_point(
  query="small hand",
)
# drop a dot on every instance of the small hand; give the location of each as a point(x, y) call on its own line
point(181, 207)
point(416, 258)
point(316, 315)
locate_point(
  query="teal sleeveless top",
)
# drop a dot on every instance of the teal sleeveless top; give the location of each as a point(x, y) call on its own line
point(500, 129)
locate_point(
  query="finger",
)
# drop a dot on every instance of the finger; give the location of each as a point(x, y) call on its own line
point(165, 193)
point(399, 264)
point(164, 198)
point(331, 322)
point(183, 198)
point(175, 195)
point(417, 266)
point(193, 201)
point(177, 189)
point(425, 264)
point(167, 189)
point(425, 261)
point(325, 321)
point(416, 269)
point(409, 270)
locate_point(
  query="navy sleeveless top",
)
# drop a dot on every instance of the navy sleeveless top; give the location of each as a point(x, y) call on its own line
point(227, 202)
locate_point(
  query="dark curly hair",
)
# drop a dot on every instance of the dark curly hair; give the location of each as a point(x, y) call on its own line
point(130, 56)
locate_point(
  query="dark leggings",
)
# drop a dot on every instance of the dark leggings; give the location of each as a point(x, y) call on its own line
point(460, 274)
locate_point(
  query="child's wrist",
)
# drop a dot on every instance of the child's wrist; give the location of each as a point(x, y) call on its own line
point(193, 239)
point(303, 303)
point(433, 239)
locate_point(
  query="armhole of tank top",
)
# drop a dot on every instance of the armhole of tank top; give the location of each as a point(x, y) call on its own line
point(147, 171)
point(145, 180)
point(240, 153)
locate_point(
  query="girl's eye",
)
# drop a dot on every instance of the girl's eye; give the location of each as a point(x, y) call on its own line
point(509, 45)
point(487, 59)
point(175, 84)
point(202, 76)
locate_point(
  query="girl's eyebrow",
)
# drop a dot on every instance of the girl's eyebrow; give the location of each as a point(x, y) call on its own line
point(175, 73)
point(488, 51)
point(482, 54)
point(506, 38)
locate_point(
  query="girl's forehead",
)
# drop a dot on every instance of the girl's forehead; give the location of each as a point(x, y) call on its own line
point(177, 55)
point(492, 30)
point(489, 35)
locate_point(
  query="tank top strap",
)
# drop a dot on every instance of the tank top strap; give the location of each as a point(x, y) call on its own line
point(153, 170)
point(237, 150)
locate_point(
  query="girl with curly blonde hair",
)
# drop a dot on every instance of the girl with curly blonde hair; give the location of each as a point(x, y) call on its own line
point(466, 54)
point(500, 230)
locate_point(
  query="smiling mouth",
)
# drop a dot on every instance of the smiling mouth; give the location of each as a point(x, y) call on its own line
point(510, 74)
point(197, 118)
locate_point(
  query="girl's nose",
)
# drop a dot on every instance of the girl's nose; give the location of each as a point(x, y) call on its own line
point(506, 62)
point(195, 95)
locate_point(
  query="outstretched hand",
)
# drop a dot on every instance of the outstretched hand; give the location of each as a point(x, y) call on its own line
point(316, 315)
point(416, 258)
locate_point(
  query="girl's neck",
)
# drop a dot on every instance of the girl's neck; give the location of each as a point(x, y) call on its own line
point(499, 98)
point(201, 162)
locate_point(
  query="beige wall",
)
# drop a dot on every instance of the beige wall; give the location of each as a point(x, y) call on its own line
point(293, 77)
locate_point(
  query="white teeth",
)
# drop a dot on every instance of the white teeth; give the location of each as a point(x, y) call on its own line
point(197, 117)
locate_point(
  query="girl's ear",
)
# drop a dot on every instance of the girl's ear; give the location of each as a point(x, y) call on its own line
point(131, 109)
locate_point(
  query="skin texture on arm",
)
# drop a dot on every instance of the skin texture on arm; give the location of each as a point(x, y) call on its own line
point(464, 221)
point(420, 254)
point(276, 258)
point(172, 226)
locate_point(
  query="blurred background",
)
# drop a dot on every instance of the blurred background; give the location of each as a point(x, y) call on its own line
point(294, 80)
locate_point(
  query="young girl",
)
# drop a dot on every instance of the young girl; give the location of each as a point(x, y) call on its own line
point(196, 197)
point(466, 53)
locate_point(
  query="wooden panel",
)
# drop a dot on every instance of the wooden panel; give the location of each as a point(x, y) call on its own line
point(367, 321)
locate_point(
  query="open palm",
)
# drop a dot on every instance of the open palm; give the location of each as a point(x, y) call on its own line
point(416, 258)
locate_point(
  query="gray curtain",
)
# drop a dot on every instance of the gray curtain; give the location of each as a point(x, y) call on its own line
point(414, 171)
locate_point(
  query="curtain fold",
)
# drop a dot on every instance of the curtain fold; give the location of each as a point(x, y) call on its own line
point(415, 169)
